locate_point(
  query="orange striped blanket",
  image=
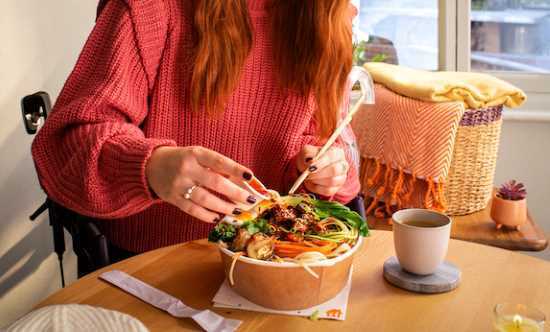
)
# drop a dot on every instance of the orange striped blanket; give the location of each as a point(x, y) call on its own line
point(406, 148)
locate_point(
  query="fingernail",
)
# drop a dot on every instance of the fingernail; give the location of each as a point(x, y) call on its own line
point(247, 176)
point(237, 211)
point(308, 159)
point(312, 168)
point(251, 199)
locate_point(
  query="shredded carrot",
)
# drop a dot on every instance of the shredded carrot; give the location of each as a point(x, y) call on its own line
point(321, 242)
point(285, 249)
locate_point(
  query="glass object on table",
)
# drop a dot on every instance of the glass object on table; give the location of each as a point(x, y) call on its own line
point(397, 31)
point(518, 318)
point(510, 35)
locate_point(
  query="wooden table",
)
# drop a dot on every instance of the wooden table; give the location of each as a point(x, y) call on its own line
point(193, 273)
point(479, 227)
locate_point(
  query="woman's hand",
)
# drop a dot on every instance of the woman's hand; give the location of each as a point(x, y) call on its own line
point(172, 171)
point(328, 174)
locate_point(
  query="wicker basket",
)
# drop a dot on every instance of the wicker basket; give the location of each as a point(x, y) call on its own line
point(470, 182)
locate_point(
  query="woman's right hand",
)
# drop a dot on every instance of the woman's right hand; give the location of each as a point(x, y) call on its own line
point(172, 171)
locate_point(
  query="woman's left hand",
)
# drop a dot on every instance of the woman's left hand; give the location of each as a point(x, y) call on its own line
point(328, 174)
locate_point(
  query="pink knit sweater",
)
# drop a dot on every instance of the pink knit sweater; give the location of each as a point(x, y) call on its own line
point(118, 105)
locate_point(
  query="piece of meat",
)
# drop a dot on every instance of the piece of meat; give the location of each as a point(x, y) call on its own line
point(240, 241)
point(295, 237)
point(260, 246)
point(310, 218)
point(304, 208)
point(281, 214)
point(300, 225)
point(320, 227)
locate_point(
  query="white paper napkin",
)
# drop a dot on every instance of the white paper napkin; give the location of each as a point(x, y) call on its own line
point(208, 320)
point(332, 309)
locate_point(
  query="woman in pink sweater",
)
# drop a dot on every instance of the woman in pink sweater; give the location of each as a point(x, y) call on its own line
point(172, 103)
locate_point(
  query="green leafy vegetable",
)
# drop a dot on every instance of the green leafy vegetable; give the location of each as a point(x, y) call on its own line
point(325, 209)
point(315, 315)
point(257, 225)
point(321, 213)
point(222, 231)
point(292, 200)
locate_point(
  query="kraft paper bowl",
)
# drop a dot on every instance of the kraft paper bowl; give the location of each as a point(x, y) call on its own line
point(288, 286)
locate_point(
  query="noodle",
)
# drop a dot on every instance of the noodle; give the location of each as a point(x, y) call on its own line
point(340, 232)
point(303, 260)
point(306, 258)
point(233, 263)
point(309, 270)
point(310, 257)
point(344, 247)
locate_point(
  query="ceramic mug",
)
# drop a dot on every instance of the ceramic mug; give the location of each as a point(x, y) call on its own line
point(421, 249)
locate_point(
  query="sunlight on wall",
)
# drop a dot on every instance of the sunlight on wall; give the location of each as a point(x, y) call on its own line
point(40, 43)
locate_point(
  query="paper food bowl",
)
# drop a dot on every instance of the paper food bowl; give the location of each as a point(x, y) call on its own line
point(288, 286)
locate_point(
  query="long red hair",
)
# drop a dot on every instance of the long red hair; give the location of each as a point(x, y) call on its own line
point(312, 52)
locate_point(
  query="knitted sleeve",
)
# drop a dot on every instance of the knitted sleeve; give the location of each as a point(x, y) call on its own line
point(91, 153)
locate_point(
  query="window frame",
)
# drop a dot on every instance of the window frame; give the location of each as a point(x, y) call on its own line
point(455, 50)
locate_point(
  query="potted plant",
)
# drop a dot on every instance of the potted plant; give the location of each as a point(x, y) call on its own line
point(509, 207)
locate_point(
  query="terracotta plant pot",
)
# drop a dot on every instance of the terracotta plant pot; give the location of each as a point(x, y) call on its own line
point(287, 286)
point(508, 213)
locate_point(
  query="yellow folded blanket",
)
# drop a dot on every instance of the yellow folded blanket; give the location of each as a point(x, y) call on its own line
point(475, 90)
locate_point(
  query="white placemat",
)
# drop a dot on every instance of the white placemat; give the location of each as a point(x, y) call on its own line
point(332, 309)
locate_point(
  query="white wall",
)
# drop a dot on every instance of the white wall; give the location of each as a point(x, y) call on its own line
point(39, 43)
point(524, 155)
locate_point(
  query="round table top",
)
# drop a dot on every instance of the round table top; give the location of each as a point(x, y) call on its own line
point(193, 273)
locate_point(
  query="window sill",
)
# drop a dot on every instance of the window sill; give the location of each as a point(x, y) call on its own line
point(526, 116)
point(535, 110)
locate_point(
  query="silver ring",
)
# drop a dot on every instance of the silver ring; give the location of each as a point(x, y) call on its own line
point(189, 192)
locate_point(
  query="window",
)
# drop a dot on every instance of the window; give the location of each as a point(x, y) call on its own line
point(398, 31)
point(507, 38)
point(511, 36)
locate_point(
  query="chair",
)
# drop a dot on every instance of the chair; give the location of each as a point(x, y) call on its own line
point(89, 245)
